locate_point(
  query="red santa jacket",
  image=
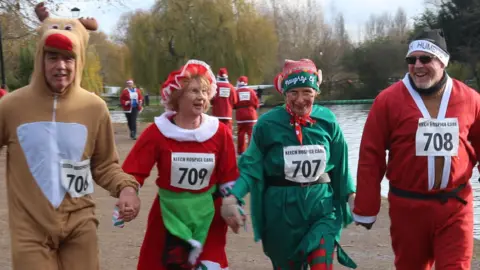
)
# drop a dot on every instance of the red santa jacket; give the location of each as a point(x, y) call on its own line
point(186, 160)
point(127, 98)
point(247, 105)
point(394, 124)
point(224, 101)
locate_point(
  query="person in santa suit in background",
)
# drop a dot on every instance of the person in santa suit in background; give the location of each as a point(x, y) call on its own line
point(430, 123)
point(225, 99)
point(246, 113)
point(196, 161)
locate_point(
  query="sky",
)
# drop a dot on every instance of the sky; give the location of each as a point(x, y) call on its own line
point(355, 12)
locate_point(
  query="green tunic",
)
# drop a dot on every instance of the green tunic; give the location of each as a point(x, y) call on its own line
point(292, 220)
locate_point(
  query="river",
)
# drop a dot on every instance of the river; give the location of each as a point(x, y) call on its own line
point(351, 119)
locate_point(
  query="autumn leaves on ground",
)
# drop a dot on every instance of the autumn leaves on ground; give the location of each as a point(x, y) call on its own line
point(119, 248)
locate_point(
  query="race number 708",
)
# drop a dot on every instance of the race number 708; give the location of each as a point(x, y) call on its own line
point(439, 142)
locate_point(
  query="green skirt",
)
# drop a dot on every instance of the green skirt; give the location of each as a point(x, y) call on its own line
point(296, 219)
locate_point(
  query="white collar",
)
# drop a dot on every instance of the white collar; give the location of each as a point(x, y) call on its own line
point(208, 127)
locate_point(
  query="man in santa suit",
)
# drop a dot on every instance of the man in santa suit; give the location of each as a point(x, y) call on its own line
point(430, 124)
point(225, 99)
point(246, 113)
point(196, 163)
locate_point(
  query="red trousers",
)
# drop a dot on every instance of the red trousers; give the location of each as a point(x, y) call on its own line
point(152, 248)
point(243, 129)
point(424, 232)
point(227, 122)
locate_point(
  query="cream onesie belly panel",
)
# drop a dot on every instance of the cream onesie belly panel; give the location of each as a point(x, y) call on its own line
point(45, 144)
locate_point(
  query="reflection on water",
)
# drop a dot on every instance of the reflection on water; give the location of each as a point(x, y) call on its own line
point(351, 119)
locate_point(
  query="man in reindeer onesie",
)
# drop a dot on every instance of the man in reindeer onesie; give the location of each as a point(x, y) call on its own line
point(60, 141)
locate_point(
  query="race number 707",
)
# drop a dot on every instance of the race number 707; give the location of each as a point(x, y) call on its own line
point(306, 166)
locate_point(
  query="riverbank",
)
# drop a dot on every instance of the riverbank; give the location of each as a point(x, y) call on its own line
point(119, 248)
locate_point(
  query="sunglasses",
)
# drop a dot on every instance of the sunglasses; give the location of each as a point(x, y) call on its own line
point(424, 59)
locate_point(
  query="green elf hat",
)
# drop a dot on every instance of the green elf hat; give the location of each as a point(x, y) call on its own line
point(297, 74)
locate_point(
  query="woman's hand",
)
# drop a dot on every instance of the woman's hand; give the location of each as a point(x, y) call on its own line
point(232, 213)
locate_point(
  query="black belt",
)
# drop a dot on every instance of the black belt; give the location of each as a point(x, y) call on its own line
point(241, 107)
point(282, 182)
point(441, 196)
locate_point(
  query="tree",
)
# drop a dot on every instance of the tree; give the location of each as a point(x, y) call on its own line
point(91, 79)
point(375, 61)
point(220, 32)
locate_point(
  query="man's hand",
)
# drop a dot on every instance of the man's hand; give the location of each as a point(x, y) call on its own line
point(232, 213)
point(128, 204)
point(127, 103)
point(368, 226)
point(351, 204)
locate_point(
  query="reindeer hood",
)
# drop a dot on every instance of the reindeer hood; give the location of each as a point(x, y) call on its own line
point(66, 36)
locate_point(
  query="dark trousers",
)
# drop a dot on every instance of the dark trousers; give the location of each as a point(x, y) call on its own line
point(132, 121)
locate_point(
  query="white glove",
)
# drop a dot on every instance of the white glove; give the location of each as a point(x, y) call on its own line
point(232, 213)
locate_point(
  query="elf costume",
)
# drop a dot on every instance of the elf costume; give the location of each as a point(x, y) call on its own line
point(195, 167)
point(296, 168)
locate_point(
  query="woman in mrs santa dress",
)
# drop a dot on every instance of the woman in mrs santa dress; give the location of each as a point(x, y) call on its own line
point(196, 162)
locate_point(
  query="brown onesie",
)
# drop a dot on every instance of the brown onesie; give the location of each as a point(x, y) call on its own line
point(58, 147)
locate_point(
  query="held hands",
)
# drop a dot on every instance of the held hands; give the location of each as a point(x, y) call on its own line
point(127, 103)
point(351, 203)
point(128, 204)
point(232, 213)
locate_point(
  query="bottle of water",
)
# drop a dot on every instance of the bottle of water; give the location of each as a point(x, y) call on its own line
point(117, 221)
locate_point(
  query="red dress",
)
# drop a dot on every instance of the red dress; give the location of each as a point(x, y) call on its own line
point(162, 143)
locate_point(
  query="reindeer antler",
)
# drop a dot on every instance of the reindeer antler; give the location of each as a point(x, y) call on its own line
point(89, 23)
point(41, 11)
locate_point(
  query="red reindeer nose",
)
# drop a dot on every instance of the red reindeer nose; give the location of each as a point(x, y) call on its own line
point(59, 41)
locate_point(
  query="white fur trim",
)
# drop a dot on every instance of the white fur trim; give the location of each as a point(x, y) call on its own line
point(242, 84)
point(224, 187)
point(208, 128)
point(169, 88)
point(364, 219)
point(195, 252)
point(429, 47)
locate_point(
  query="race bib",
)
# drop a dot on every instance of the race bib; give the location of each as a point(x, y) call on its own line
point(244, 96)
point(304, 163)
point(76, 177)
point(437, 137)
point(134, 95)
point(191, 171)
point(224, 92)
